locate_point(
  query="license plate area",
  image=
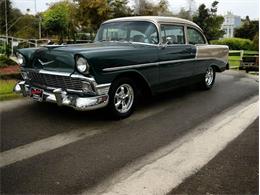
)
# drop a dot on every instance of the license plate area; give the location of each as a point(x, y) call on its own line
point(37, 94)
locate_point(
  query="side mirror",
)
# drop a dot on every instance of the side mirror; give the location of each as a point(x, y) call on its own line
point(168, 42)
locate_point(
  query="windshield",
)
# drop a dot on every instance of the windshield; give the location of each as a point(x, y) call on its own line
point(134, 31)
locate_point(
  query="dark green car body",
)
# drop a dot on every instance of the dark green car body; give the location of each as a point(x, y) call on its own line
point(158, 67)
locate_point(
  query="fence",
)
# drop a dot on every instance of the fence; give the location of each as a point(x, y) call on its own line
point(15, 42)
point(236, 57)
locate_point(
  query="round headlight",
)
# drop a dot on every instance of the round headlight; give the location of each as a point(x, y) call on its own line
point(20, 59)
point(82, 65)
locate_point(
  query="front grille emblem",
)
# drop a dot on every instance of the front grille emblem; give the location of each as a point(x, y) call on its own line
point(45, 63)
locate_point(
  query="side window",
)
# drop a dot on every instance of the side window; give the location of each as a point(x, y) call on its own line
point(137, 36)
point(172, 34)
point(195, 37)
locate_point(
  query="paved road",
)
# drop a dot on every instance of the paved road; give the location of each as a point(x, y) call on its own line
point(75, 167)
point(239, 160)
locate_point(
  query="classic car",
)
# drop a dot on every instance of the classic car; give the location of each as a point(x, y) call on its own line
point(129, 56)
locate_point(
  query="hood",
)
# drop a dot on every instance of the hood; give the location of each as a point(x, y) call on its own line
point(61, 57)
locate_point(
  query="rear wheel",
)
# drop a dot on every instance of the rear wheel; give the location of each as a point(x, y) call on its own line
point(209, 78)
point(122, 97)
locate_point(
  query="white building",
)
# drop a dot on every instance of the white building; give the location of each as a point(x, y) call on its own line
point(231, 22)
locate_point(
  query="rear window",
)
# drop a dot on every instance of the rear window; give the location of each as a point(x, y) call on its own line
point(195, 37)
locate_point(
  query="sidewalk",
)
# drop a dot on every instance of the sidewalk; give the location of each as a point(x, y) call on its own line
point(233, 171)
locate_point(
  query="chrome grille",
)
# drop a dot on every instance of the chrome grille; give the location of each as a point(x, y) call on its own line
point(56, 81)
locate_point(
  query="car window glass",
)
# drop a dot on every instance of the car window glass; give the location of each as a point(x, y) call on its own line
point(195, 37)
point(143, 32)
point(137, 36)
point(172, 34)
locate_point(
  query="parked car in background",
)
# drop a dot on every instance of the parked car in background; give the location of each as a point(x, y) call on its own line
point(129, 56)
point(250, 61)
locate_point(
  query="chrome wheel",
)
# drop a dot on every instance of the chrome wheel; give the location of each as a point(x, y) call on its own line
point(124, 98)
point(209, 76)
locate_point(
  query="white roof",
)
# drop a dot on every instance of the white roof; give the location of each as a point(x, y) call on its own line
point(155, 19)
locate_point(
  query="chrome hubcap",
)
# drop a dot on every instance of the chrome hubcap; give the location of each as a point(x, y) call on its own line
point(209, 76)
point(124, 98)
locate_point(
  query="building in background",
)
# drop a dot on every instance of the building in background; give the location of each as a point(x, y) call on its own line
point(231, 22)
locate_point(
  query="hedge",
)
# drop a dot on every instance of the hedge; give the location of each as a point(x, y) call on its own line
point(235, 43)
point(5, 61)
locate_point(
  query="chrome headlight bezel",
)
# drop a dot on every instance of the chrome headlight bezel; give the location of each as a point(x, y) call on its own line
point(20, 58)
point(82, 65)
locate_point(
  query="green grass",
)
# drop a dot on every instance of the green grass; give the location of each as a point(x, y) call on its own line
point(6, 90)
point(234, 62)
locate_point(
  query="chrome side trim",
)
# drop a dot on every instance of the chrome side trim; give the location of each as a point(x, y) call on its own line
point(177, 61)
point(158, 63)
point(131, 66)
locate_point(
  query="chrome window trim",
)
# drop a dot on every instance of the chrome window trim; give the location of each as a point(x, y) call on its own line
point(173, 24)
point(199, 30)
point(157, 26)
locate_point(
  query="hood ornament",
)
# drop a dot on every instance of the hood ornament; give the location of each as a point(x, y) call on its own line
point(45, 63)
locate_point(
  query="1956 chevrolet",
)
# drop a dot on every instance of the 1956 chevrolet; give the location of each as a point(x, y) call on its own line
point(129, 55)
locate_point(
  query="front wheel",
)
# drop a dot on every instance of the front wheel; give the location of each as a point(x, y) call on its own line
point(209, 78)
point(122, 97)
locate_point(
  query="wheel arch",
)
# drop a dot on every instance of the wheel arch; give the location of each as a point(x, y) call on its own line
point(215, 67)
point(138, 78)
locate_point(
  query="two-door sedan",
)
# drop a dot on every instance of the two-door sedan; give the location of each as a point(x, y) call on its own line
point(129, 55)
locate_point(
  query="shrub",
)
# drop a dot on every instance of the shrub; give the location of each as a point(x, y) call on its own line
point(2, 49)
point(256, 42)
point(235, 43)
point(5, 61)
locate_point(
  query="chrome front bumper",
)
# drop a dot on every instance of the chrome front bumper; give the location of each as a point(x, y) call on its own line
point(61, 97)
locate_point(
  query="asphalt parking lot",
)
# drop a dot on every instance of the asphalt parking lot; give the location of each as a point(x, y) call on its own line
point(70, 152)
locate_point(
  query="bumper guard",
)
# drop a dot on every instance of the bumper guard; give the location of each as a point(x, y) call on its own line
point(61, 97)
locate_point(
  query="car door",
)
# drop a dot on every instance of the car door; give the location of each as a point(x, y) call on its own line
point(196, 40)
point(175, 66)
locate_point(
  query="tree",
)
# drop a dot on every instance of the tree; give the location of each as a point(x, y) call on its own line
point(248, 30)
point(26, 27)
point(209, 21)
point(119, 8)
point(58, 19)
point(92, 13)
point(146, 8)
point(12, 15)
point(185, 14)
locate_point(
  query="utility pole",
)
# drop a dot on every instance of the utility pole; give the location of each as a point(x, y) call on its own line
point(137, 7)
point(40, 20)
point(190, 2)
point(40, 27)
point(6, 26)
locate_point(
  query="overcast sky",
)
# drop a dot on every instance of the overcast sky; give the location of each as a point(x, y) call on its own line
point(238, 7)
